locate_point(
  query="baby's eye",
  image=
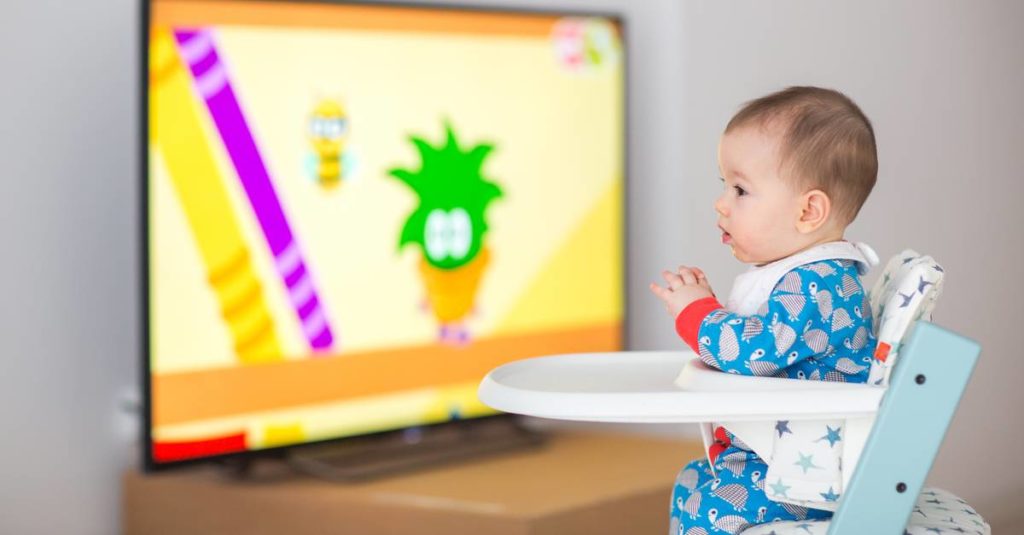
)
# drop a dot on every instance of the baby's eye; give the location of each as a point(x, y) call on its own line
point(740, 191)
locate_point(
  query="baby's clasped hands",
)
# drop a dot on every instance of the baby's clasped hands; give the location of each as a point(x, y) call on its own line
point(685, 286)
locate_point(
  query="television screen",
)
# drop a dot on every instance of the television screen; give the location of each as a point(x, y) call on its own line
point(354, 212)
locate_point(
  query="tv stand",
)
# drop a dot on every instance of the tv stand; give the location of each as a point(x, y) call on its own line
point(365, 458)
point(579, 483)
point(245, 467)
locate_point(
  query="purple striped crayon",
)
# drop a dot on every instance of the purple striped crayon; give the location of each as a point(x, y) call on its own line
point(211, 81)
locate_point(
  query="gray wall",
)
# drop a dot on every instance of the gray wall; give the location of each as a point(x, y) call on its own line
point(938, 79)
point(68, 327)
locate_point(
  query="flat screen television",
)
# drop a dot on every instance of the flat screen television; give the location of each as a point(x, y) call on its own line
point(355, 211)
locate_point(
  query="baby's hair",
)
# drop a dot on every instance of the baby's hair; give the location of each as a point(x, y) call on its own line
point(827, 143)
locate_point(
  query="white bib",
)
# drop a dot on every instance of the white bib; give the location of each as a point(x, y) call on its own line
point(751, 289)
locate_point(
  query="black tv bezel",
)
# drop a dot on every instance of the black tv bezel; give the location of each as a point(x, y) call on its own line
point(149, 464)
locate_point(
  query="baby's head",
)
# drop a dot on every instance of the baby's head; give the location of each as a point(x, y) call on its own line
point(797, 166)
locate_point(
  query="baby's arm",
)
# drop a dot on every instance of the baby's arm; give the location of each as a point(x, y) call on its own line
point(788, 329)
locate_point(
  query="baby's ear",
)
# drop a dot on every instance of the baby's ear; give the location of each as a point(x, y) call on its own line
point(815, 209)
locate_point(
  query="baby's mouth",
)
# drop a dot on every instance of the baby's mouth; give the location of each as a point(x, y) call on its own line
point(726, 237)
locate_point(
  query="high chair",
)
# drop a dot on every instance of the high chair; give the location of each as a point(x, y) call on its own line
point(893, 425)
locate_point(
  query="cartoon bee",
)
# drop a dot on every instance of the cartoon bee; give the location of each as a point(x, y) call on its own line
point(330, 162)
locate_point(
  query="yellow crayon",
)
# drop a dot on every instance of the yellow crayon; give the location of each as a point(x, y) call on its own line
point(176, 129)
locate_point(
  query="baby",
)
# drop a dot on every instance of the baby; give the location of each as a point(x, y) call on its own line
point(796, 166)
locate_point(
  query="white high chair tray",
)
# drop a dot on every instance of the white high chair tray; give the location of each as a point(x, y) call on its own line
point(661, 387)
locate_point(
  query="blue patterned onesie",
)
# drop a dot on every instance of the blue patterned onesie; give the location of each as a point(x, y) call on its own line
point(815, 325)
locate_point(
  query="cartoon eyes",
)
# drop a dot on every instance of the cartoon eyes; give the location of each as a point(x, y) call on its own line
point(800, 374)
point(448, 234)
point(813, 287)
point(327, 128)
point(706, 340)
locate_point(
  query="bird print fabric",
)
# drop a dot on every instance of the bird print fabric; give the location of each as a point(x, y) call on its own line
point(905, 293)
point(731, 502)
point(816, 325)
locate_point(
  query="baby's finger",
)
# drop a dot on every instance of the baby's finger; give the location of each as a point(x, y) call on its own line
point(702, 279)
point(687, 275)
point(662, 293)
point(673, 279)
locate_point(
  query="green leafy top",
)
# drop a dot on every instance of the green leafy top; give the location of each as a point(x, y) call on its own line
point(449, 222)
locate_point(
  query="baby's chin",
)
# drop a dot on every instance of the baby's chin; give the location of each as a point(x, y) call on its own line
point(738, 253)
point(742, 257)
point(745, 258)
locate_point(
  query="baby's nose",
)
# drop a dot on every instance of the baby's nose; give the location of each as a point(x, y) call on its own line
point(720, 207)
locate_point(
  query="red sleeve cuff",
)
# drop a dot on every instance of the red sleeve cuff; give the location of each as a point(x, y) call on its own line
point(689, 320)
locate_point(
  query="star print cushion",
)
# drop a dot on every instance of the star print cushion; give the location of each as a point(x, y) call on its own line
point(936, 512)
point(806, 455)
point(906, 292)
point(805, 468)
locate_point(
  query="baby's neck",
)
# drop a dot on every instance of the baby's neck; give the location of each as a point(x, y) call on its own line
point(824, 238)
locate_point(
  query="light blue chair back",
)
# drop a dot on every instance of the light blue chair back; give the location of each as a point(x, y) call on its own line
point(918, 406)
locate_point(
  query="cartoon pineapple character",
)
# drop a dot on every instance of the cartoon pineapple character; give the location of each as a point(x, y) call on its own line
point(449, 226)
